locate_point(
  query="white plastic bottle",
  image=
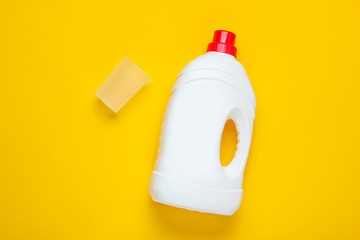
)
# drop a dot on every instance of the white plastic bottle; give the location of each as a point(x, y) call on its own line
point(210, 90)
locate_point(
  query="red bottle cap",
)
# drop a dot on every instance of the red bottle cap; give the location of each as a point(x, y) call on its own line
point(224, 42)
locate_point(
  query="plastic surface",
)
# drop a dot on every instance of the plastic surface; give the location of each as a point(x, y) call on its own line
point(223, 42)
point(188, 173)
point(122, 84)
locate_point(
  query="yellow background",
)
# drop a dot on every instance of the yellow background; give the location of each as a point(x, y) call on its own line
point(72, 169)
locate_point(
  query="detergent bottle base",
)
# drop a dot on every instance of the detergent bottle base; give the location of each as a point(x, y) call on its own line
point(171, 192)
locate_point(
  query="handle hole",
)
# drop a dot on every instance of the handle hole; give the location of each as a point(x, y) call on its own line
point(229, 141)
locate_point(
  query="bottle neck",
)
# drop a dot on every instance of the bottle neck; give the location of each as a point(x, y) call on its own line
point(225, 55)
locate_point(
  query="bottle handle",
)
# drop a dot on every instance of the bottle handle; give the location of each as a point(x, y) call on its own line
point(244, 127)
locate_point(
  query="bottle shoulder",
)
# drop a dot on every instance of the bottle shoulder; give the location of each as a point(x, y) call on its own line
point(215, 60)
point(219, 65)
